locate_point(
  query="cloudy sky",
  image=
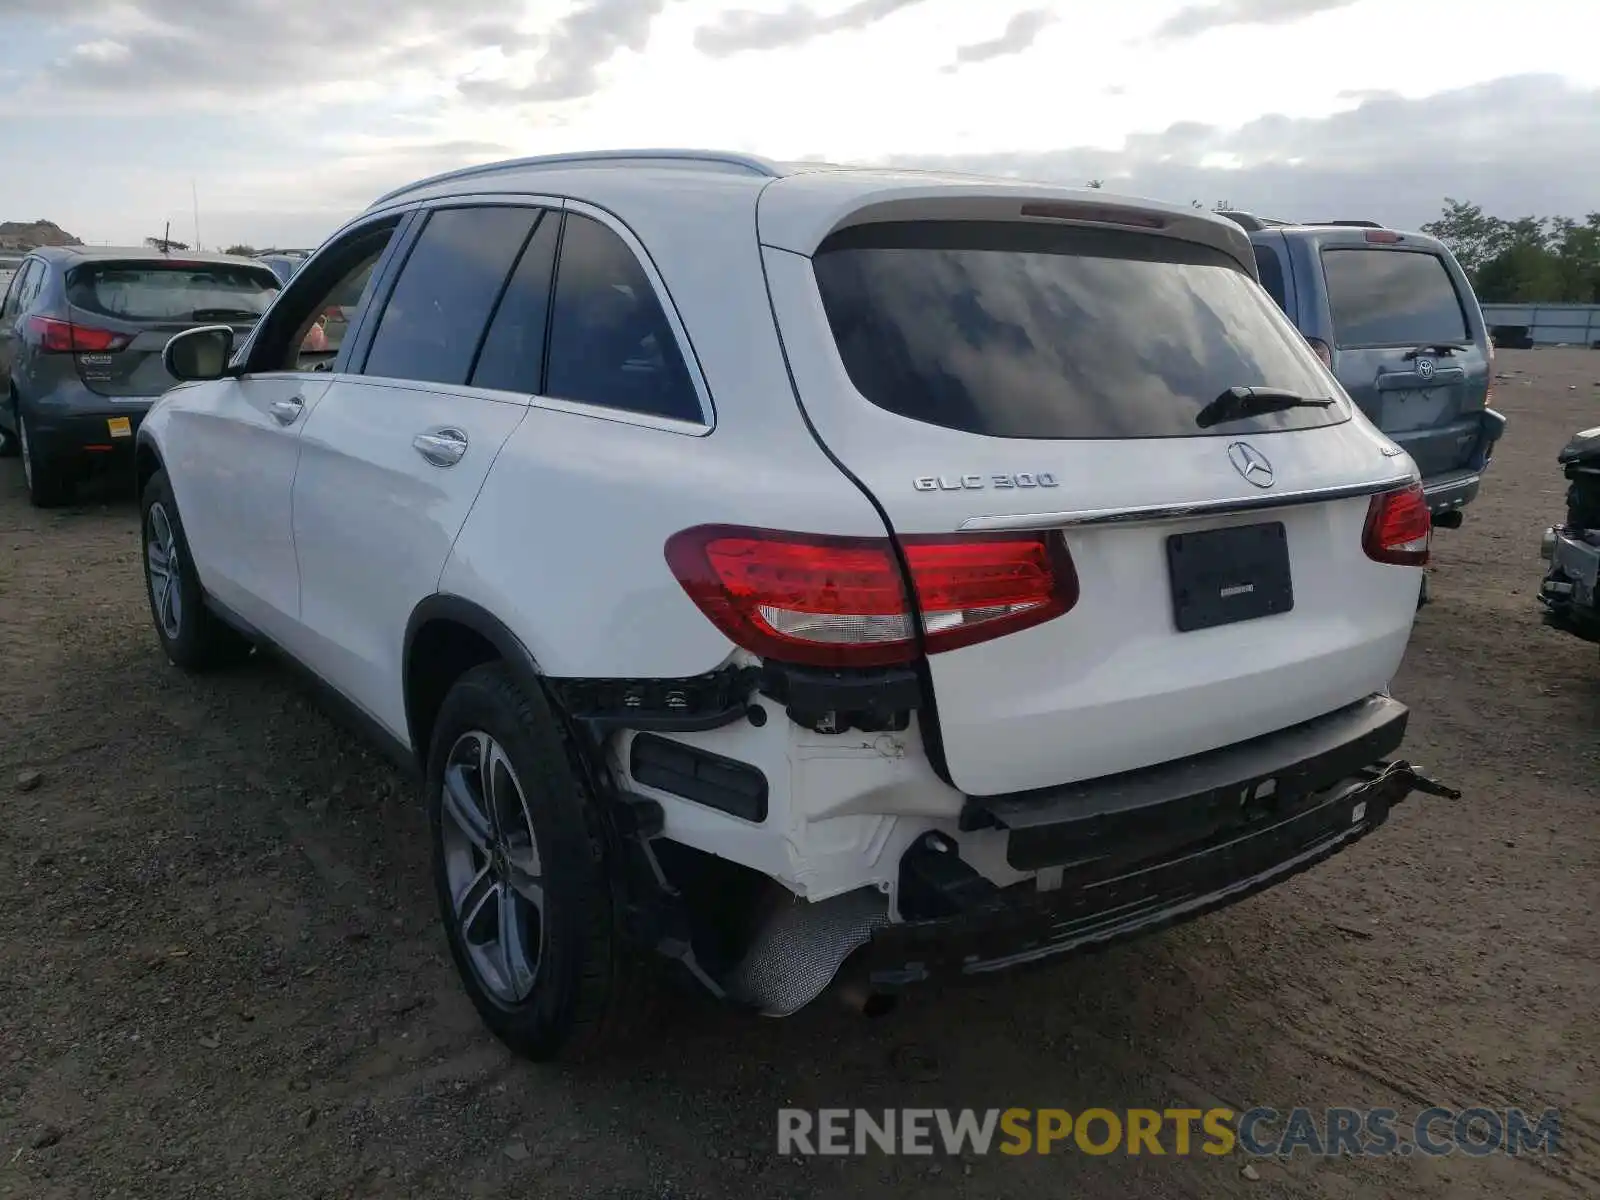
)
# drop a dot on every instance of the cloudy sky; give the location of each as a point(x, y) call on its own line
point(287, 116)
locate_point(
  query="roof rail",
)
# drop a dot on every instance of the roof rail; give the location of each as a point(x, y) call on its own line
point(1250, 221)
point(749, 162)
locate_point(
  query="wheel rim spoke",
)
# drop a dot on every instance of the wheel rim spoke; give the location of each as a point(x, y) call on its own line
point(462, 807)
point(516, 965)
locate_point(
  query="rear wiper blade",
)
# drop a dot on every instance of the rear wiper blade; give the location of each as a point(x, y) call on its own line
point(1439, 348)
point(1239, 402)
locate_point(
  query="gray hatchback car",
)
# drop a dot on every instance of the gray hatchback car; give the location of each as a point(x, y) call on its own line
point(81, 334)
point(1395, 318)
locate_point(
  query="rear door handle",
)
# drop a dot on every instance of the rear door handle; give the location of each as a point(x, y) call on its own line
point(286, 412)
point(441, 447)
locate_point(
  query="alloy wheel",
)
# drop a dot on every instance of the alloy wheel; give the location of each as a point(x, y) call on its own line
point(162, 558)
point(493, 867)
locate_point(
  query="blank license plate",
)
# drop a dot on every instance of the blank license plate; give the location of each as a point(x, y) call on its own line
point(1221, 576)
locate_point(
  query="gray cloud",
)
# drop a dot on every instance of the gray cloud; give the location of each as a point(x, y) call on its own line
point(255, 48)
point(1195, 19)
point(574, 52)
point(741, 30)
point(1518, 145)
point(1020, 33)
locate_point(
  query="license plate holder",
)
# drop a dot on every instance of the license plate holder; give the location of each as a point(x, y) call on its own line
point(1222, 576)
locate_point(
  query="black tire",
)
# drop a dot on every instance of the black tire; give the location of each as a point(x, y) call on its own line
point(588, 986)
point(197, 639)
point(50, 485)
point(10, 446)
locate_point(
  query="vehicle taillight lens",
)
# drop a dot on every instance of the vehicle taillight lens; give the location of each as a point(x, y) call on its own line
point(1399, 528)
point(63, 337)
point(1322, 351)
point(820, 600)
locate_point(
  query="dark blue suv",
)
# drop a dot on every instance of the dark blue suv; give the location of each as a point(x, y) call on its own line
point(1395, 318)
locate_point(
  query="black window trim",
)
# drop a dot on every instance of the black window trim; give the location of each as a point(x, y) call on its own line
point(1352, 247)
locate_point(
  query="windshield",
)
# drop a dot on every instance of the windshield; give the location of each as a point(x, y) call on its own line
point(172, 292)
point(1042, 331)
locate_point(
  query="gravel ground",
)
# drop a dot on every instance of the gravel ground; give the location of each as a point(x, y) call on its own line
point(220, 973)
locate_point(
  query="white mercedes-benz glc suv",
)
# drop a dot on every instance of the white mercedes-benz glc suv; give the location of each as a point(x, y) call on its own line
point(800, 575)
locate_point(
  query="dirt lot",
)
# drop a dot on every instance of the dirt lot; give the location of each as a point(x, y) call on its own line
point(220, 973)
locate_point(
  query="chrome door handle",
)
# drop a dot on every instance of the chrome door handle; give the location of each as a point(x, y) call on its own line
point(442, 447)
point(285, 412)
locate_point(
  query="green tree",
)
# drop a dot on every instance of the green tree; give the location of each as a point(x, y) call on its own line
point(1526, 260)
point(246, 250)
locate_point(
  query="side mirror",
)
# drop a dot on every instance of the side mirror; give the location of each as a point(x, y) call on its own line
point(199, 354)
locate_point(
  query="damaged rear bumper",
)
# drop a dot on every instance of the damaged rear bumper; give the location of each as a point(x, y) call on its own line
point(1144, 853)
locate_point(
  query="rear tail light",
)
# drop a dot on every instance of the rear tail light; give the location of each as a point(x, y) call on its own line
point(1399, 528)
point(830, 601)
point(1322, 351)
point(63, 337)
point(1386, 237)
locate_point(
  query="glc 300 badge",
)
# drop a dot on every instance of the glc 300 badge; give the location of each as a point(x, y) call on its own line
point(976, 483)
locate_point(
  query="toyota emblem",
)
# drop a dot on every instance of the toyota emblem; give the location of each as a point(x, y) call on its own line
point(1251, 463)
point(1424, 368)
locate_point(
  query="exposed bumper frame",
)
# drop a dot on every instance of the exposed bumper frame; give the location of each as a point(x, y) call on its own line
point(1013, 931)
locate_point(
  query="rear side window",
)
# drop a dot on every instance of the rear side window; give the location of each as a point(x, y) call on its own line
point(1038, 331)
point(610, 342)
point(1392, 298)
point(435, 317)
point(173, 292)
point(1270, 268)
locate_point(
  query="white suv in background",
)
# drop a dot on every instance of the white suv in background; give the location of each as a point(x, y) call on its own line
point(769, 566)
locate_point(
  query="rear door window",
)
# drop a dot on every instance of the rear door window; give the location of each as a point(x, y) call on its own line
point(1392, 298)
point(1270, 268)
point(171, 292)
point(436, 316)
point(610, 341)
point(1040, 331)
point(19, 284)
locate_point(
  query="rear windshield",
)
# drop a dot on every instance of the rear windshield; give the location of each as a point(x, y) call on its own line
point(1039, 331)
point(172, 292)
point(1392, 298)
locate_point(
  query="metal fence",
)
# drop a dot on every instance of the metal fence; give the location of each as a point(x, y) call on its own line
point(1549, 324)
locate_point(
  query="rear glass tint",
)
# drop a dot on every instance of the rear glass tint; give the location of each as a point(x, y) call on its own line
point(172, 292)
point(1392, 298)
point(1040, 331)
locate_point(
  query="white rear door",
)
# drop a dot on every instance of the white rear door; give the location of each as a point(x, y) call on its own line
point(1047, 382)
point(394, 456)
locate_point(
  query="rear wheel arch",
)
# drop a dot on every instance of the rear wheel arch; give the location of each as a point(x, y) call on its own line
point(445, 638)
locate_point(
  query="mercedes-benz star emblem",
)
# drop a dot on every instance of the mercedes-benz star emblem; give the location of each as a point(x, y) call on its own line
point(1251, 463)
point(1424, 368)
